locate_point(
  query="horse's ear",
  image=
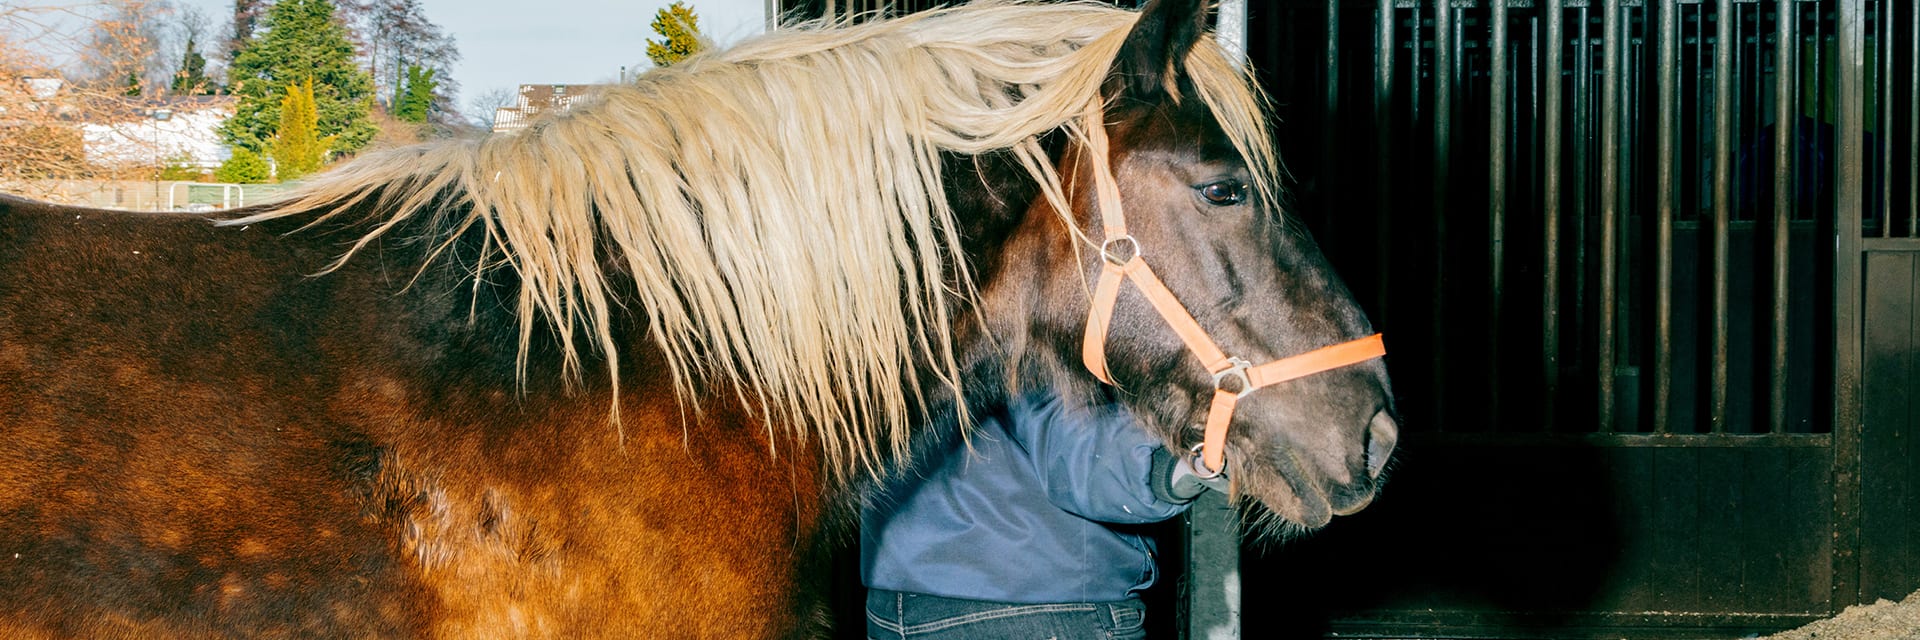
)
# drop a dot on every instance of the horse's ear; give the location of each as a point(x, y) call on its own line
point(1152, 55)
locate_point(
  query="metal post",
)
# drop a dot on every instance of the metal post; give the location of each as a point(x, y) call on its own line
point(1612, 36)
point(1667, 66)
point(1231, 28)
point(1497, 74)
point(1850, 71)
point(1784, 74)
point(1383, 54)
point(1724, 19)
point(1550, 209)
point(1212, 558)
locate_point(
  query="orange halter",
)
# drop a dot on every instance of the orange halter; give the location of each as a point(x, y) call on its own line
point(1233, 377)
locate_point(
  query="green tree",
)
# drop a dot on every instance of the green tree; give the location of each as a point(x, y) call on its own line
point(299, 40)
point(191, 79)
point(245, 167)
point(679, 31)
point(416, 99)
point(133, 85)
point(298, 147)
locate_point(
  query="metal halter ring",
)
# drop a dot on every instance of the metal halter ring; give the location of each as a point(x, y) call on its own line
point(1133, 252)
point(1199, 463)
point(1237, 372)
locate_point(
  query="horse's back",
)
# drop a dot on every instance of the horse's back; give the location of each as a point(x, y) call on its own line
point(205, 439)
point(163, 466)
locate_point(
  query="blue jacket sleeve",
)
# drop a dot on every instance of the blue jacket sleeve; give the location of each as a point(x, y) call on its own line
point(1093, 462)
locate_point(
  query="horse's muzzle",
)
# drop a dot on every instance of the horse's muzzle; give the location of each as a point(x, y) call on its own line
point(1382, 434)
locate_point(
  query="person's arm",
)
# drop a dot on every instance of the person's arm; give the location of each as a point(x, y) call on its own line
point(1095, 463)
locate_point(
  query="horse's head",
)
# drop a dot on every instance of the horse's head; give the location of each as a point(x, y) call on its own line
point(1200, 212)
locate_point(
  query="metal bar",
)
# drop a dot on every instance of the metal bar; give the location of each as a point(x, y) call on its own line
point(1784, 73)
point(1443, 72)
point(1850, 72)
point(1496, 198)
point(1212, 579)
point(1332, 162)
point(1581, 164)
point(1383, 159)
point(1883, 107)
point(1550, 210)
point(1668, 43)
point(1724, 19)
point(1231, 28)
point(1913, 121)
point(1610, 68)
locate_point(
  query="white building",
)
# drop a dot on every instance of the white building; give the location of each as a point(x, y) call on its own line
point(179, 130)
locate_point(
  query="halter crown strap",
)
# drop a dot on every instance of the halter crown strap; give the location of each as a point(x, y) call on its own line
point(1233, 377)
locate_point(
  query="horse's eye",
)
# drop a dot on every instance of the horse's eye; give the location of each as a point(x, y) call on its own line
point(1224, 193)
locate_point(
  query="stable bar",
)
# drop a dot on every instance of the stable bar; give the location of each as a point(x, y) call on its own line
point(1724, 19)
point(1884, 109)
point(1383, 159)
point(1849, 125)
point(1496, 199)
point(1667, 85)
point(1784, 73)
point(1579, 165)
point(1550, 210)
point(1611, 44)
point(1443, 71)
point(1211, 584)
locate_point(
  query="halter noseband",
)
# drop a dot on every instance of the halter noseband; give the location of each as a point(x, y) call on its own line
point(1233, 377)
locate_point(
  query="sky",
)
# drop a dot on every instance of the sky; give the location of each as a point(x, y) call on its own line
point(507, 43)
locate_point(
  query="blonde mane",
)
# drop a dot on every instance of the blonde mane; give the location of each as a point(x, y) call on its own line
point(780, 204)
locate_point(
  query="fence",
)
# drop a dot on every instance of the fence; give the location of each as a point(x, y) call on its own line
point(1648, 272)
point(136, 195)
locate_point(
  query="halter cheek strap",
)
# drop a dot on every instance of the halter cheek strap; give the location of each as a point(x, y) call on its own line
point(1233, 377)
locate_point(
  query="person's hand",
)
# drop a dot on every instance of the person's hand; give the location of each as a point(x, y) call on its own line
point(1181, 478)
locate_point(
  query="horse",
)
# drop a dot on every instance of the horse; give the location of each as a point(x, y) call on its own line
point(627, 373)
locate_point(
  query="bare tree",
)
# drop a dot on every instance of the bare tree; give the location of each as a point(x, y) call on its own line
point(189, 34)
point(124, 46)
point(481, 107)
point(41, 111)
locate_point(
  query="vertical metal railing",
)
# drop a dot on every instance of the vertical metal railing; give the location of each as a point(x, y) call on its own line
point(1660, 181)
point(1723, 74)
point(1444, 69)
point(1785, 72)
point(1383, 154)
point(1550, 180)
point(1606, 364)
point(1666, 57)
point(1497, 122)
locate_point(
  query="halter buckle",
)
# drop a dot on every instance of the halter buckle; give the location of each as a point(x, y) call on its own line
point(1107, 253)
point(1234, 379)
point(1199, 462)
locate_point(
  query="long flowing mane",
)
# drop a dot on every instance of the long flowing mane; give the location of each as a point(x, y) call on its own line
point(781, 204)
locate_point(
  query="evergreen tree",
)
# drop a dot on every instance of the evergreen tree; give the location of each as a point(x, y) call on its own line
point(133, 84)
point(416, 100)
point(298, 148)
point(191, 79)
point(299, 40)
point(679, 30)
point(244, 167)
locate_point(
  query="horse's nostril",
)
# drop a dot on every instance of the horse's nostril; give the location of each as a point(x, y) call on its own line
point(1382, 434)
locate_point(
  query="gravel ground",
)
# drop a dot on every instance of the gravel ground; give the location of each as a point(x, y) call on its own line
point(1883, 620)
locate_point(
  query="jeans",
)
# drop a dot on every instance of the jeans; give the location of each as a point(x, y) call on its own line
point(892, 615)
